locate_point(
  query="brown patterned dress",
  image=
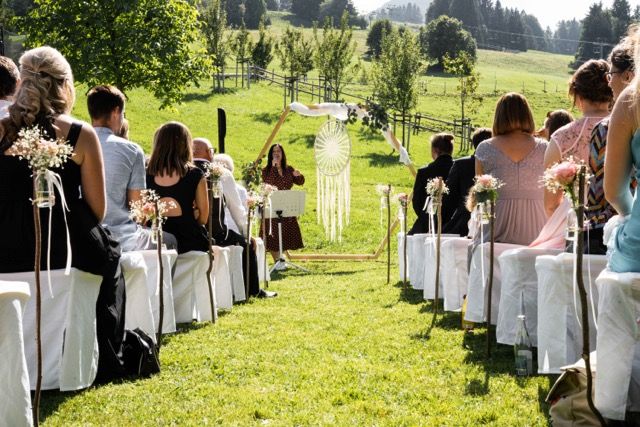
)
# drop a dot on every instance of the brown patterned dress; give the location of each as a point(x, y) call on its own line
point(291, 236)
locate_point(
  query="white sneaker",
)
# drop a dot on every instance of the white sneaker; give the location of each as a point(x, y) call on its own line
point(281, 266)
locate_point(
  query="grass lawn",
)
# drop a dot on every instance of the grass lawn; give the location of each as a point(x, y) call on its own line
point(337, 347)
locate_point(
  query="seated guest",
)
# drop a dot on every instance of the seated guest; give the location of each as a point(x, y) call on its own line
point(123, 167)
point(202, 152)
point(459, 181)
point(441, 151)
point(45, 98)
point(9, 78)
point(516, 158)
point(591, 94)
point(230, 217)
point(224, 236)
point(124, 130)
point(554, 121)
point(174, 177)
point(599, 211)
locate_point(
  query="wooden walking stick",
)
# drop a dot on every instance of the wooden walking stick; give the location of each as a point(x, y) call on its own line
point(264, 241)
point(36, 269)
point(158, 231)
point(404, 244)
point(492, 205)
point(438, 241)
point(246, 278)
point(579, 236)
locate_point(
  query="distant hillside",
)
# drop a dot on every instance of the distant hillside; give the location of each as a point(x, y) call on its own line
point(422, 4)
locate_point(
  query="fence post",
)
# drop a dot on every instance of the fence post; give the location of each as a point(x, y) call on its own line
point(248, 75)
point(236, 72)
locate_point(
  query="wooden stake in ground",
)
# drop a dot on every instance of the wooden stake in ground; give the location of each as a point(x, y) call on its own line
point(211, 257)
point(158, 230)
point(438, 242)
point(246, 277)
point(404, 244)
point(579, 242)
point(36, 269)
point(388, 196)
point(264, 241)
point(492, 206)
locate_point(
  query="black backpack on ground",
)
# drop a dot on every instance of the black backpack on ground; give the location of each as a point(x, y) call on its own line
point(140, 354)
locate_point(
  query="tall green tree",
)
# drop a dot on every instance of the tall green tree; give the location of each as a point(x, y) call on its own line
point(436, 9)
point(468, 12)
point(295, 53)
point(463, 67)
point(262, 53)
point(376, 33)
point(215, 28)
point(446, 37)
point(242, 44)
point(596, 31)
point(621, 17)
point(254, 12)
point(147, 43)
point(333, 10)
point(334, 54)
point(306, 10)
point(235, 11)
point(395, 73)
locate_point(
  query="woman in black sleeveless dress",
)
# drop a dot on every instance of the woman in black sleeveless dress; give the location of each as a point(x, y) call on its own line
point(173, 176)
point(45, 97)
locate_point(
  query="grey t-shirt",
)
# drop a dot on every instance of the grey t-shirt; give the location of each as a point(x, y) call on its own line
point(124, 170)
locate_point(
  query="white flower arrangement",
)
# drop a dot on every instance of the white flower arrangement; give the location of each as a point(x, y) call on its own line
point(384, 189)
point(149, 208)
point(41, 152)
point(436, 187)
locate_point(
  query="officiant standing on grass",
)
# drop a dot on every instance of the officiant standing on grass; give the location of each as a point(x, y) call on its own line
point(279, 174)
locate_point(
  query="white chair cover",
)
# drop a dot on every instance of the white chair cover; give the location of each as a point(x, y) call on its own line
point(68, 328)
point(168, 261)
point(477, 294)
point(618, 337)
point(559, 333)
point(519, 292)
point(416, 254)
point(455, 274)
point(138, 310)
point(15, 398)
point(222, 278)
point(424, 259)
point(237, 272)
point(260, 253)
point(401, 257)
point(191, 297)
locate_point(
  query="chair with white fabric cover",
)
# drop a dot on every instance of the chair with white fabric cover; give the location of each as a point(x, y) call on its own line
point(222, 278)
point(68, 328)
point(519, 292)
point(416, 258)
point(478, 286)
point(424, 259)
point(618, 346)
point(401, 238)
point(559, 330)
point(15, 397)
point(236, 269)
point(260, 253)
point(191, 295)
point(168, 261)
point(138, 312)
point(455, 273)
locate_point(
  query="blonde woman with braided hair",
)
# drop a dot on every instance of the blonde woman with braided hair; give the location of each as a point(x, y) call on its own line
point(45, 98)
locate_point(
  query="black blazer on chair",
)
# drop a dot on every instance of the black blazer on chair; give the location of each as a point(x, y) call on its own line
point(438, 168)
point(459, 182)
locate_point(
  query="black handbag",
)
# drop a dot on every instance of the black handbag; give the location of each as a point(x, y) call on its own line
point(140, 354)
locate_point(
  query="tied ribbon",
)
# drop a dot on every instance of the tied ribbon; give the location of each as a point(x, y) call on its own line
point(430, 210)
point(53, 180)
point(575, 280)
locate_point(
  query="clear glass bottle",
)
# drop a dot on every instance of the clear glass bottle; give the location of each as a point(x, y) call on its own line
point(523, 349)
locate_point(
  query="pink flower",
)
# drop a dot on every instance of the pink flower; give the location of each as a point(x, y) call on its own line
point(485, 181)
point(565, 173)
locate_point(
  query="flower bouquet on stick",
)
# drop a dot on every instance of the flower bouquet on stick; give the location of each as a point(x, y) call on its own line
point(436, 189)
point(263, 204)
point(42, 154)
point(385, 191)
point(481, 202)
point(403, 202)
point(570, 177)
point(150, 209)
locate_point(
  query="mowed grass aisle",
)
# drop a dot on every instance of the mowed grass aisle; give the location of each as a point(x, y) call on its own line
point(337, 347)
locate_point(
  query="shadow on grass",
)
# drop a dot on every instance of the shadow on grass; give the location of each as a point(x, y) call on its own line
point(365, 133)
point(267, 118)
point(381, 160)
point(50, 400)
point(308, 140)
point(408, 294)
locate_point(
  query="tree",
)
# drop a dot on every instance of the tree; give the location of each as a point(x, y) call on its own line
point(395, 73)
point(262, 53)
point(242, 45)
point(235, 11)
point(147, 43)
point(334, 9)
point(636, 13)
point(445, 36)
point(306, 10)
point(436, 9)
point(596, 30)
point(295, 53)
point(621, 16)
point(468, 12)
point(462, 66)
point(273, 5)
point(255, 11)
point(376, 33)
point(214, 29)
point(334, 53)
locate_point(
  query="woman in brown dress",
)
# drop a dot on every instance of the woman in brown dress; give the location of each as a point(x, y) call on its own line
point(282, 176)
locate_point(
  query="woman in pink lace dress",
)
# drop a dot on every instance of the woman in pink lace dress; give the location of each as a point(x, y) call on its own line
point(592, 96)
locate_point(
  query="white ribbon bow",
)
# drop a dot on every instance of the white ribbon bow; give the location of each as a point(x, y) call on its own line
point(54, 181)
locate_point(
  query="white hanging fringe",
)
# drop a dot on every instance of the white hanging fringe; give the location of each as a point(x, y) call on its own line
point(334, 202)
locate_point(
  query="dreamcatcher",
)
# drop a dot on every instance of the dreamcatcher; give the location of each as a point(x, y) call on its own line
point(332, 151)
